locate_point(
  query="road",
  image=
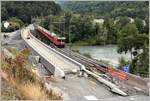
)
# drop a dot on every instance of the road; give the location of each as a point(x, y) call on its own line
point(78, 88)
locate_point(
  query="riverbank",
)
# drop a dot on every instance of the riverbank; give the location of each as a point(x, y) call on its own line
point(84, 43)
point(89, 42)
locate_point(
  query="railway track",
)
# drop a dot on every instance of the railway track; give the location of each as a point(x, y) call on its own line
point(99, 67)
point(90, 64)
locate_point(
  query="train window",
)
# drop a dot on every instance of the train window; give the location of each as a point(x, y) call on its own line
point(58, 40)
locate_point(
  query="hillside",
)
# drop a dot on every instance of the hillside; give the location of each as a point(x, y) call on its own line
point(108, 8)
point(26, 10)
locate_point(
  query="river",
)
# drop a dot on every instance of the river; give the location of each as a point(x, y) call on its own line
point(106, 53)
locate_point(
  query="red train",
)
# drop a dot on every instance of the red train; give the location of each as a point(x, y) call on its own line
point(59, 42)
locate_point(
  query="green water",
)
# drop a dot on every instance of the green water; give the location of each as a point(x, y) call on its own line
point(107, 53)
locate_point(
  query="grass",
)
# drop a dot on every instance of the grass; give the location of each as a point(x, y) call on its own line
point(32, 91)
point(20, 76)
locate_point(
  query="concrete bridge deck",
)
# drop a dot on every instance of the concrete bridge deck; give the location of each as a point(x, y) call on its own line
point(55, 59)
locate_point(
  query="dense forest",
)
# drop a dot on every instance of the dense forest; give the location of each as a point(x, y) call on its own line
point(111, 9)
point(26, 10)
point(21, 13)
point(83, 14)
point(126, 24)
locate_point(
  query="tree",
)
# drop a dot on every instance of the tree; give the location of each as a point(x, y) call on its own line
point(146, 27)
point(81, 28)
point(25, 10)
point(126, 39)
point(47, 21)
point(122, 21)
point(101, 34)
point(4, 13)
point(111, 31)
point(111, 9)
point(137, 44)
point(139, 24)
point(67, 18)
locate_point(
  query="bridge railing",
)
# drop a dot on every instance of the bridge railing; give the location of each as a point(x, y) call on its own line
point(68, 58)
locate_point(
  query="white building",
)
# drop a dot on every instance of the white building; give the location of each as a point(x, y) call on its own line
point(6, 24)
point(99, 21)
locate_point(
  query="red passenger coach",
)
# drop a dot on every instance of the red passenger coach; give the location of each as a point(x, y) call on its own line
point(59, 42)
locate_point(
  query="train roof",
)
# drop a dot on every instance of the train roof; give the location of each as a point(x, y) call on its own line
point(63, 38)
point(52, 34)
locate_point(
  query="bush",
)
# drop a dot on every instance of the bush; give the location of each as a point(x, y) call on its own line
point(122, 63)
point(87, 55)
point(16, 20)
point(23, 79)
point(32, 92)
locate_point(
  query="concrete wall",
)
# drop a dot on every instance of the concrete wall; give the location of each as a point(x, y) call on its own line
point(48, 66)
